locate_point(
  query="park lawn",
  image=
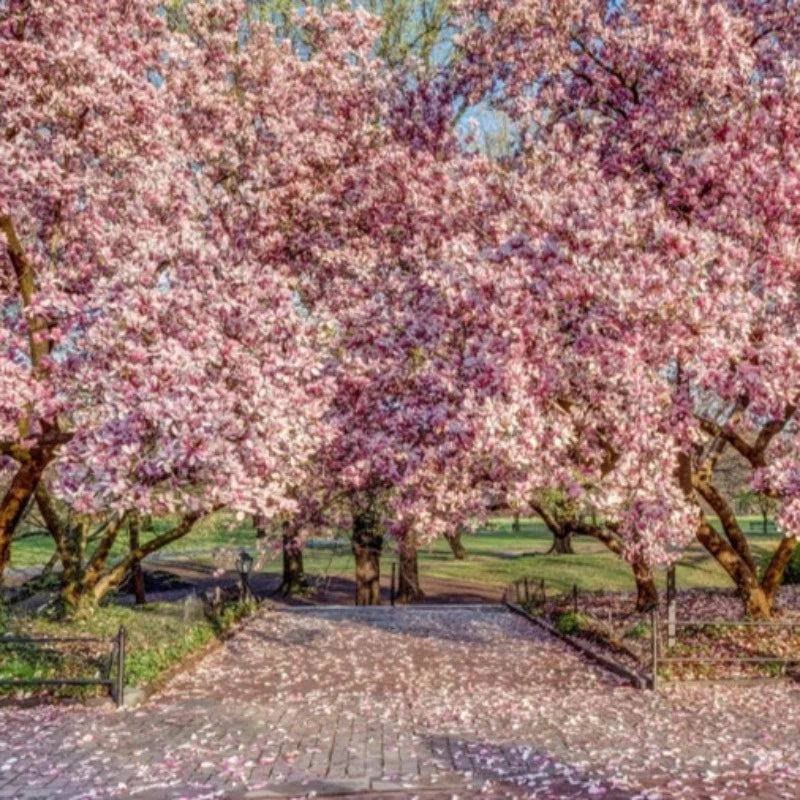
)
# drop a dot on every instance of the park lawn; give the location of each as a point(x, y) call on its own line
point(159, 636)
point(497, 555)
point(217, 530)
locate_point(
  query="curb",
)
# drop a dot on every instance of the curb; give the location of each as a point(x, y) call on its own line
point(636, 679)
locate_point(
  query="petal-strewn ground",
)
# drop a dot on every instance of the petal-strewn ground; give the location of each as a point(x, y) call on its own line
point(454, 701)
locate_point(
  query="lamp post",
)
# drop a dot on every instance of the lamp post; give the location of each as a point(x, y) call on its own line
point(244, 563)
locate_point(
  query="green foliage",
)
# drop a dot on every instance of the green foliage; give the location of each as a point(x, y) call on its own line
point(641, 630)
point(774, 669)
point(556, 502)
point(570, 622)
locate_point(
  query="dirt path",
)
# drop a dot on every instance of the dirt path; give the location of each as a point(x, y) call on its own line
point(323, 590)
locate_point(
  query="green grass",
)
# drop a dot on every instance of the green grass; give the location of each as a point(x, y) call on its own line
point(497, 555)
point(159, 636)
point(217, 530)
point(592, 567)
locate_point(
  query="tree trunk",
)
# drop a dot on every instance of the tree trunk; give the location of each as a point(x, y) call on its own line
point(562, 531)
point(454, 540)
point(646, 591)
point(757, 604)
point(408, 588)
point(294, 578)
point(260, 524)
point(367, 544)
point(515, 526)
point(74, 600)
point(16, 499)
point(757, 601)
point(562, 544)
point(137, 574)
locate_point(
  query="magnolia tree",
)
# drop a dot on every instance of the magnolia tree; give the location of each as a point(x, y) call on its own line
point(206, 232)
point(655, 188)
point(409, 366)
point(174, 206)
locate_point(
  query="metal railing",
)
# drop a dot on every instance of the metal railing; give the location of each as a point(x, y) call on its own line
point(531, 593)
point(674, 624)
point(116, 685)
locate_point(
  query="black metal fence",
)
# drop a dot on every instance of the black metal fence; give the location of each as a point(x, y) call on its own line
point(116, 658)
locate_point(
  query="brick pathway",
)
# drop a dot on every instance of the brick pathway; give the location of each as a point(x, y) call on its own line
point(428, 702)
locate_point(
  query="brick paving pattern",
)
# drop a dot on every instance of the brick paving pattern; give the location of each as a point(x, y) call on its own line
point(397, 703)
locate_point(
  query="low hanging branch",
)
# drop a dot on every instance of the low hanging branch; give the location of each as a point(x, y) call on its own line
point(88, 581)
point(117, 573)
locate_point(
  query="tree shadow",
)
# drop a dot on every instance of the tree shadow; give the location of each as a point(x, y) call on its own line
point(517, 769)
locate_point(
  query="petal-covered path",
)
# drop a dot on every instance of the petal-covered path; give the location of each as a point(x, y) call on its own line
point(434, 702)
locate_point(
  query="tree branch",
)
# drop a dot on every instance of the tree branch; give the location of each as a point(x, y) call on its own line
point(100, 555)
point(737, 540)
point(27, 289)
point(117, 573)
point(771, 581)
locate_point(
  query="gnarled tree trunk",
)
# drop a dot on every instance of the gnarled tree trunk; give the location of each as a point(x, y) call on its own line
point(408, 588)
point(367, 543)
point(294, 577)
point(646, 590)
point(454, 540)
point(730, 547)
point(562, 543)
point(733, 553)
point(561, 529)
point(87, 579)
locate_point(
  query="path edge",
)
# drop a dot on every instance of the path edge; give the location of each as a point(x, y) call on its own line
point(636, 679)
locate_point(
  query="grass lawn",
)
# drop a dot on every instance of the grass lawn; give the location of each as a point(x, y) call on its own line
point(592, 567)
point(496, 555)
point(217, 530)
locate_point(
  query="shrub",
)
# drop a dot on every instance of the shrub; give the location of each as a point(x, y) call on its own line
point(568, 623)
point(641, 630)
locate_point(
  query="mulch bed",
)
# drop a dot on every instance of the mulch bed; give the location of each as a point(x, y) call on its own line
point(609, 621)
